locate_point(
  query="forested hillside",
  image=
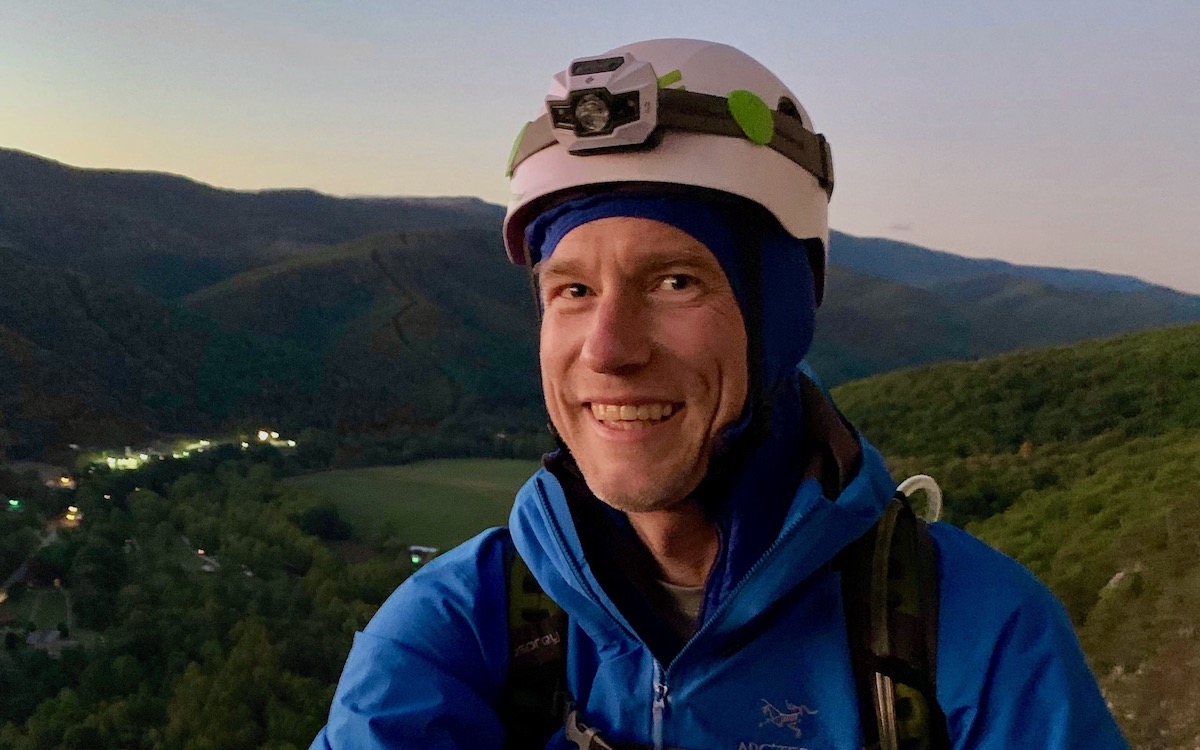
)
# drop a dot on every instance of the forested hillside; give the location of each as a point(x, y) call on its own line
point(101, 364)
point(1083, 463)
point(426, 341)
point(403, 344)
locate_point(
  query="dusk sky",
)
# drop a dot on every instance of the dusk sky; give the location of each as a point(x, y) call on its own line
point(1049, 133)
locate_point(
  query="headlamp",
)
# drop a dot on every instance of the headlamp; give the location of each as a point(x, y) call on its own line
point(603, 103)
point(600, 105)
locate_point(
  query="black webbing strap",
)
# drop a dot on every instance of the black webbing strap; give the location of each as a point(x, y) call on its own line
point(694, 112)
point(535, 694)
point(890, 593)
point(536, 701)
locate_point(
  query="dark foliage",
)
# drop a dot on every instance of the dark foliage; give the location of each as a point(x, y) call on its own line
point(235, 648)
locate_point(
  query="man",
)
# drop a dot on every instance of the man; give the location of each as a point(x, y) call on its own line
point(671, 203)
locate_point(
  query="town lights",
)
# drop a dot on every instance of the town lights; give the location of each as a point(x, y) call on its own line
point(420, 554)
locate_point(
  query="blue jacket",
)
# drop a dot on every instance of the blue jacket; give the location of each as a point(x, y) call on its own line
point(768, 669)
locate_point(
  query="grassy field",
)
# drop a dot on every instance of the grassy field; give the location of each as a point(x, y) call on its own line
point(434, 503)
point(45, 608)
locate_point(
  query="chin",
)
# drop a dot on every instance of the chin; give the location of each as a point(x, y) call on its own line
point(627, 494)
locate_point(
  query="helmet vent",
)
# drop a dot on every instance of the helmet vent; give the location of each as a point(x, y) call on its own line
point(788, 107)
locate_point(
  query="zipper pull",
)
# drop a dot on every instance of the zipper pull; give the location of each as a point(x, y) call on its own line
point(659, 707)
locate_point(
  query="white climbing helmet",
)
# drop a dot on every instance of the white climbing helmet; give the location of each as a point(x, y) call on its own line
point(679, 112)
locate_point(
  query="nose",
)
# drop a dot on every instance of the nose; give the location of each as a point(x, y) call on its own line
point(619, 337)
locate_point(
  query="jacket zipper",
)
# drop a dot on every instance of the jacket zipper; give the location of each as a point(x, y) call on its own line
point(726, 604)
point(659, 706)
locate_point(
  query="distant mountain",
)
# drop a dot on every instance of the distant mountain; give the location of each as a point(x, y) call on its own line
point(870, 325)
point(170, 235)
point(919, 266)
point(867, 325)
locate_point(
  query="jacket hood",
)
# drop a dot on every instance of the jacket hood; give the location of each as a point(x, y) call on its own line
point(756, 463)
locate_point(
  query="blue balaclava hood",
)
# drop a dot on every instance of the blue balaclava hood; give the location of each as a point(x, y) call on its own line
point(756, 468)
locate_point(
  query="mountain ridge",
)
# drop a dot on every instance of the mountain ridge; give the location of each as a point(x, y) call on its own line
point(172, 235)
point(921, 266)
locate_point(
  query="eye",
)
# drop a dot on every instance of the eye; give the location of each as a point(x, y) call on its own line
point(677, 282)
point(565, 292)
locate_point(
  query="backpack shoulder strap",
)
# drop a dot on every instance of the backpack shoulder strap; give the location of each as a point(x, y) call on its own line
point(890, 594)
point(535, 690)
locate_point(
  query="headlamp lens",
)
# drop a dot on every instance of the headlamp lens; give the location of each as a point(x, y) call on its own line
point(591, 114)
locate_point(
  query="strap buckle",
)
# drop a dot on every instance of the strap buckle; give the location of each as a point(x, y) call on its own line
point(581, 735)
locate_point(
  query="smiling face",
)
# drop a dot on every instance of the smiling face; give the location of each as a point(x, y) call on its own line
point(643, 355)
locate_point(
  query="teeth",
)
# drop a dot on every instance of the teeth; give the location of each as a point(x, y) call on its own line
point(627, 416)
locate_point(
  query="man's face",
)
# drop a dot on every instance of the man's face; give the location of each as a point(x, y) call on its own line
point(643, 355)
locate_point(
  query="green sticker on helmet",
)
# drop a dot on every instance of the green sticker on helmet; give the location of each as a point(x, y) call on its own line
point(512, 156)
point(752, 115)
point(675, 76)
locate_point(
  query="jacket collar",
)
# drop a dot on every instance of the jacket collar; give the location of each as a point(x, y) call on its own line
point(839, 486)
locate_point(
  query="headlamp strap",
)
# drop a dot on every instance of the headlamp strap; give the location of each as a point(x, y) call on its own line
point(695, 112)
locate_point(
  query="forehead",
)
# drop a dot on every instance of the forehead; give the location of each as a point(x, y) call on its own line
point(628, 241)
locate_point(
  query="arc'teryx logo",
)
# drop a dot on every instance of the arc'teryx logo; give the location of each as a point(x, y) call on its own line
point(789, 719)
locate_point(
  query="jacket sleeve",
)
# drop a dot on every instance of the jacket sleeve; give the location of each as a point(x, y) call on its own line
point(1010, 670)
point(428, 670)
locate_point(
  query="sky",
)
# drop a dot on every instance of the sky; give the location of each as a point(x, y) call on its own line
point(1047, 132)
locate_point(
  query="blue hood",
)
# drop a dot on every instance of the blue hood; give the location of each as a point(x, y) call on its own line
point(759, 461)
